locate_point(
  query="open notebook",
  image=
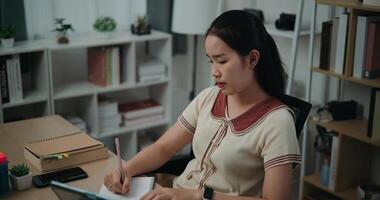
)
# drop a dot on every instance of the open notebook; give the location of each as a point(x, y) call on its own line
point(139, 187)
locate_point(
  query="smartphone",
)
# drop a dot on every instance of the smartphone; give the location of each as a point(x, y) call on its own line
point(63, 176)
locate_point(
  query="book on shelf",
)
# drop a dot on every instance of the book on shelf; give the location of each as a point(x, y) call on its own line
point(139, 109)
point(372, 55)
point(11, 83)
point(374, 115)
point(333, 162)
point(103, 65)
point(324, 58)
point(107, 108)
point(371, 2)
point(360, 43)
point(341, 43)
point(110, 122)
point(150, 66)
point(334, 39)
point(144, 120)
point(77, 121)
point(4, 86)
point(153, 77)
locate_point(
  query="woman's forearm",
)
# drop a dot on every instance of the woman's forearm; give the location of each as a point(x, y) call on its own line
point(147, 160)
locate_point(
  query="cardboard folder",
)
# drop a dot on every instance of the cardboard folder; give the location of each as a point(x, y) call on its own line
point(64, 151)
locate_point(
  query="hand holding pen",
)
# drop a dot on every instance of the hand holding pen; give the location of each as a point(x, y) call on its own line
point(118, 181)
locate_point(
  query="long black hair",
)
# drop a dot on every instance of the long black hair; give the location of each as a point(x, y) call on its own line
point(243, 32)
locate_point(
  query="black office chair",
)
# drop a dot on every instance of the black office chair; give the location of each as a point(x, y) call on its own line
point(300, 108)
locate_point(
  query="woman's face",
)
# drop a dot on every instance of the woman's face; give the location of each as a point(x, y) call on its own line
point(232, 73)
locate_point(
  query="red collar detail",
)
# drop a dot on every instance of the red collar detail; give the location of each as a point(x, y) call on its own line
point(248, 118)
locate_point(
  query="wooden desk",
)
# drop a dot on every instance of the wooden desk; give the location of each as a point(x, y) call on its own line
point(14, 136)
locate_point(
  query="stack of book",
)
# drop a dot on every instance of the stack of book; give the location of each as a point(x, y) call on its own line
point(78, 122)
point(104, 66)
point(151, 69)
point(10, 79)
point(141, 112)
point(109, 117)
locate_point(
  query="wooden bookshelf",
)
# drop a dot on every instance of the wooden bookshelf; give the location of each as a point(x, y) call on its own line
point(314, 180)
point(353, 152)
point(350, 4)
point(356, 129)
point(367, 82)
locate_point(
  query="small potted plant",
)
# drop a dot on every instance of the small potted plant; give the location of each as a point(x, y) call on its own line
point(142, 27)
point(21, 177)
point(62, 29)
point(7, 35)
point(105, 25)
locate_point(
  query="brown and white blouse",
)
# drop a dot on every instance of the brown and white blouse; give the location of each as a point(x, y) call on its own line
point(231, 155)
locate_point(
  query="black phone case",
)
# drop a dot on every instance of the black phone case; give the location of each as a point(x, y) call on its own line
point(65, 175)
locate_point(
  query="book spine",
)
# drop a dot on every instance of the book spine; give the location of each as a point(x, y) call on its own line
point(341, 44)
point(325, 45)
point(360, 46)
point(16, 61)
point(4, 82)
point(144, 112)
point(372, 60)
point(10, 80)
point(334, 40)
point(333, 162)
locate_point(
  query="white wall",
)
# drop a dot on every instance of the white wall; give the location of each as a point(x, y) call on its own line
point(40, 14)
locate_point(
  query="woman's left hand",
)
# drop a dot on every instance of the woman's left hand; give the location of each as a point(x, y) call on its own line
point(160, 193)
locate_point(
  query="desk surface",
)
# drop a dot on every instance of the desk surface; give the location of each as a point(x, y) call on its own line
point(14, 136)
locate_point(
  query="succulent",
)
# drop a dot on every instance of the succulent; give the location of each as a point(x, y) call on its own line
point(7, 32)
point(19, 170)
point(105, 24)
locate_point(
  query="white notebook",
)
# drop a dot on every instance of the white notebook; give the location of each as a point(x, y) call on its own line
point(139, 187)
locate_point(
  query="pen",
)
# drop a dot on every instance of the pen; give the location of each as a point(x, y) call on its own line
point(119, 158)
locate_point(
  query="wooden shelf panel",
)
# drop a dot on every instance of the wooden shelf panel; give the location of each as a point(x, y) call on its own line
point(29, 98)
point(367, 82)
point(349, 4)
point(349, 194)
point(356, 129)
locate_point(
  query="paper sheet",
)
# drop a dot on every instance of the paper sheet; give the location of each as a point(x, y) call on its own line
point(140, 186)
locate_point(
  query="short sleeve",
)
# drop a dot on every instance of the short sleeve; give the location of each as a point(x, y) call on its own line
point(280, 144)
point(189, 116)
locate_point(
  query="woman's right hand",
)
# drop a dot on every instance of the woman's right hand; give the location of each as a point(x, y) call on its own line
point(112, 181)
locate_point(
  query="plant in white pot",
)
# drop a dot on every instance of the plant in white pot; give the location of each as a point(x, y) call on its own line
point(105, 25)
point(7, 35)
point(21, 177)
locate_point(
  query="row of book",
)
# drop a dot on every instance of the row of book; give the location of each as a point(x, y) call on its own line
point(113, 115)
point(10, 79)
point(104, 66)
point(367, 46)
point(107, 66)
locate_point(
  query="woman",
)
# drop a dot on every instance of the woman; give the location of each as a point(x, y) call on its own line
point(243, 137)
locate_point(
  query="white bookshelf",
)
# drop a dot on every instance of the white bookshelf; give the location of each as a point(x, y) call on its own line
point(61, 86)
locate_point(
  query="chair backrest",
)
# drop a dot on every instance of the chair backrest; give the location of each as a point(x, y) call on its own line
point(300, 108)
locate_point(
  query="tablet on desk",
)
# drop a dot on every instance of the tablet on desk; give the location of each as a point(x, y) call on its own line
point(139, 187)
point(64, 191)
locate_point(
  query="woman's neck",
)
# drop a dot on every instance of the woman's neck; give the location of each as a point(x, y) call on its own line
point(244, 100)
point(249, 96)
